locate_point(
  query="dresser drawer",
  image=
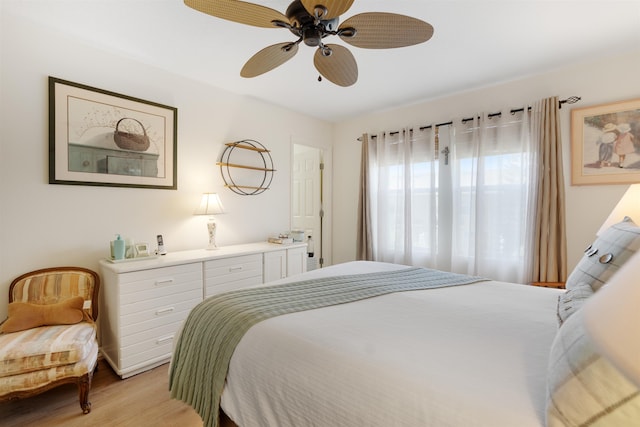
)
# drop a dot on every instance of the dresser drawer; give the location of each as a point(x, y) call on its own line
point(170, 312)
point(150, 337)
point(242, 270)
point(232, 286)
point(158, 352)
point(148, 284)
point(148, 348)
point(153, 303)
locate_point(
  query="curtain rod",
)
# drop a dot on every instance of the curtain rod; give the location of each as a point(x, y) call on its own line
point(570, 100)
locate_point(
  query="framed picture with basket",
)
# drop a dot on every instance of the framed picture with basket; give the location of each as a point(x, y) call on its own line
point(102, 138)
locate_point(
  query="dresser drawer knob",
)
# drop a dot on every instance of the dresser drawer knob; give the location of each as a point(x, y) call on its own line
point(165, 310)
point(164, 282)
point(164, 339)
point(235, 268)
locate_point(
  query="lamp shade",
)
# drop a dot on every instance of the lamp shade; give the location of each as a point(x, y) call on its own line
point(629, 205)
point(210, 204)
point(612, 319)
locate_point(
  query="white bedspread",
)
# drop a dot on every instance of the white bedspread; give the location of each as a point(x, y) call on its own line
point(463, 356)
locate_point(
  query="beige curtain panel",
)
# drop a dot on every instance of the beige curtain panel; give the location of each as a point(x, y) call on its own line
point(364, 239)
point(550, 241)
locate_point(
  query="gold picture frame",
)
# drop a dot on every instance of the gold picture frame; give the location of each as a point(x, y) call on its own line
point(103, 138)
point(605, 144)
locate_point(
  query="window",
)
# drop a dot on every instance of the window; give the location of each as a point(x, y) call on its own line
point(465, 211)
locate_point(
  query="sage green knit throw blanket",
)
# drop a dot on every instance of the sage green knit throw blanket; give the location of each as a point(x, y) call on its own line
point(215, 326)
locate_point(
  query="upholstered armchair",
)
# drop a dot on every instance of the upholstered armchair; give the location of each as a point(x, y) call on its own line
point(49, 337)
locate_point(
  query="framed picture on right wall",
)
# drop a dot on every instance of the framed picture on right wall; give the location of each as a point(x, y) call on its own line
point(605, 144)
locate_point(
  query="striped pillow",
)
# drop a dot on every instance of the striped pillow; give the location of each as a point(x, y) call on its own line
point(583, 388)
point(572, 300)
point(606, 255)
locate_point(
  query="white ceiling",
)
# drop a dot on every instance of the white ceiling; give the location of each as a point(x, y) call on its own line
point(475, 43)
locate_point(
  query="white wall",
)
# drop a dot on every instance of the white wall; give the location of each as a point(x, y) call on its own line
point(43, 225)
point(602, 81)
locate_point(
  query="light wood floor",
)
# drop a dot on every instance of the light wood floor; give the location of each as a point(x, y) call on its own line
point(141, 400)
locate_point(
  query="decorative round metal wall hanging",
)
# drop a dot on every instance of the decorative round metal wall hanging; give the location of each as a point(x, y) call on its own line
point(246, 167)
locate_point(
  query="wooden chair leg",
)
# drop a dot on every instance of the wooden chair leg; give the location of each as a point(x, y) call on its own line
point(84, 385)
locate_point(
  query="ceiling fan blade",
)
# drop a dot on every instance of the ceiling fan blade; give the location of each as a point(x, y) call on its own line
point(269, 58)
point(381, 30)
point(334, 8)
point(238, 11)
point(340, 67)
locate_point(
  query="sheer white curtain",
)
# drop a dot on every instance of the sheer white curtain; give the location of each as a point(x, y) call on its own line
point(402, 184)
point(493, 170)
point(462, 206)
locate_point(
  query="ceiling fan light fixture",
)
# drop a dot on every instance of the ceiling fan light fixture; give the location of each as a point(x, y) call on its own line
point(311, 36)
point(313, 20)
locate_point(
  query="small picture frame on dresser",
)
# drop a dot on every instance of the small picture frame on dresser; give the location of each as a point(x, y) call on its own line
point(142, 250)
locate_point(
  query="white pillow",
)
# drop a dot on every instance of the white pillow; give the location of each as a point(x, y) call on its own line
point(606, 255)
point(583, 388)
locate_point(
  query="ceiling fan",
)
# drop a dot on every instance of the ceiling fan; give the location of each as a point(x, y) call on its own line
point(313, 20)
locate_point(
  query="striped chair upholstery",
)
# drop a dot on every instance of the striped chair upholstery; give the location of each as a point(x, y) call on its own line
point(38, 359)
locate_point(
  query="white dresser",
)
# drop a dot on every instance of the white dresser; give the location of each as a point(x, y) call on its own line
point(144, 302)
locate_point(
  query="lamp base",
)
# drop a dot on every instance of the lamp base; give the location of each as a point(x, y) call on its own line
point(211, 227)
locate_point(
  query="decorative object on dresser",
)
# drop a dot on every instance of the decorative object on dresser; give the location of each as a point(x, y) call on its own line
point(281, 239)
point(118, 248)
point(103, 138)
point(49, 338)
point(142, 250)
point(211, 205)
point(146, 301)
point(252, 174)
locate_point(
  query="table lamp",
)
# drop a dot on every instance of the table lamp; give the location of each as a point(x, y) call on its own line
point(629, 205)
point(211, 205)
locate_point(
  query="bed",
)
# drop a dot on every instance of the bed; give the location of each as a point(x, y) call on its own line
point(373, 363)
point(471, 354)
